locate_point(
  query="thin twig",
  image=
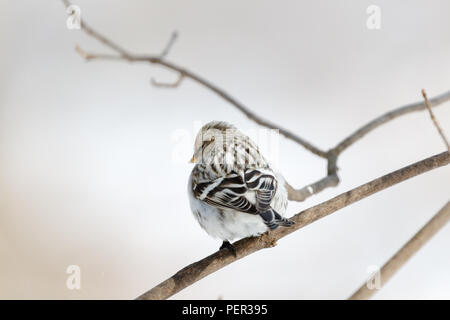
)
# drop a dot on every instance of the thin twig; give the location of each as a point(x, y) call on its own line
point(156, 59)
point(94, 56)
point(433, 118)
point(244, 247)
point(304, 193)
point(169, 45)
point(406, 252)
point(168, 84)
point(330, 180)
point(198, 270)
point(413, 107)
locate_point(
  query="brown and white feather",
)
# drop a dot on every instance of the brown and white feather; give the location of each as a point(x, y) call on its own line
point(233, 191)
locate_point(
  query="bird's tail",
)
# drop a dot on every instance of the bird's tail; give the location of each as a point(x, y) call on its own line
point(272, 219)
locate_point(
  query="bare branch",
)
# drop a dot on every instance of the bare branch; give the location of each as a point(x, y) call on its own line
point(311, 189)
point(97, 35)
point(155, 59)
point(247, 246)
point(169, 45)
point(433, 118)
point(361, 132)
point(92, 56)
point(330, 180)
point(175, 84)
point(407, 251)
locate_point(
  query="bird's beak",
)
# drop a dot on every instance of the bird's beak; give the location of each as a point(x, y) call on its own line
point(192, 159)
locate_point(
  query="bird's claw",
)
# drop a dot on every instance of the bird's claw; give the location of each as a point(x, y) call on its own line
point(229, 246)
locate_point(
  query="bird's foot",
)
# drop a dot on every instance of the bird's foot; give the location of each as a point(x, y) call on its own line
point(229, 246)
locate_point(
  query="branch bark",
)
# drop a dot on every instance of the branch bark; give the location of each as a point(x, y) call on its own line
point(200, 269)
point(406, 252)
point(435, 122)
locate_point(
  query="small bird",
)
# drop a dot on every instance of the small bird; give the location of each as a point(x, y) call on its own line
point(233, 192)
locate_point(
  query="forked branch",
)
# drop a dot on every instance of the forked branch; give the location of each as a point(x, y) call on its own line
point(331, 178)
point(218, 260)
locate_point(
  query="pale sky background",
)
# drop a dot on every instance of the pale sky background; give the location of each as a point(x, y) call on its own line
point(87, 175)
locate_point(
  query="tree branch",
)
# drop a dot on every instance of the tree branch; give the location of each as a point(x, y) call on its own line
point(247, 246)
point(169, 45)
point(435, 122)
point(200, 269)
point(330, 180)
point(419, 239)
point(414, 107)
point(406, 252)
point(168, 85)
point(159, 59)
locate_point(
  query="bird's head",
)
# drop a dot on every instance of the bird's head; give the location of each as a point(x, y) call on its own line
point(210, 140)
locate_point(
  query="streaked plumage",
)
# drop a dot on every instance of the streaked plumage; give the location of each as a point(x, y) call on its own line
point(233, 191)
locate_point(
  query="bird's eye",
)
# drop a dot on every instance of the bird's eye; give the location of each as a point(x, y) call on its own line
point(213, 138)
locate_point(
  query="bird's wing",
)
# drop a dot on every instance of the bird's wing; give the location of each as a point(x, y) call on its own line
point(225, 192)
point(229, 191)
point(265, 185)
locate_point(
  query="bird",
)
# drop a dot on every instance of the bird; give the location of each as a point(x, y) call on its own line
point(233, 191)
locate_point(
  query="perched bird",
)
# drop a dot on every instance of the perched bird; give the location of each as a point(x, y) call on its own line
point(233, 192)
